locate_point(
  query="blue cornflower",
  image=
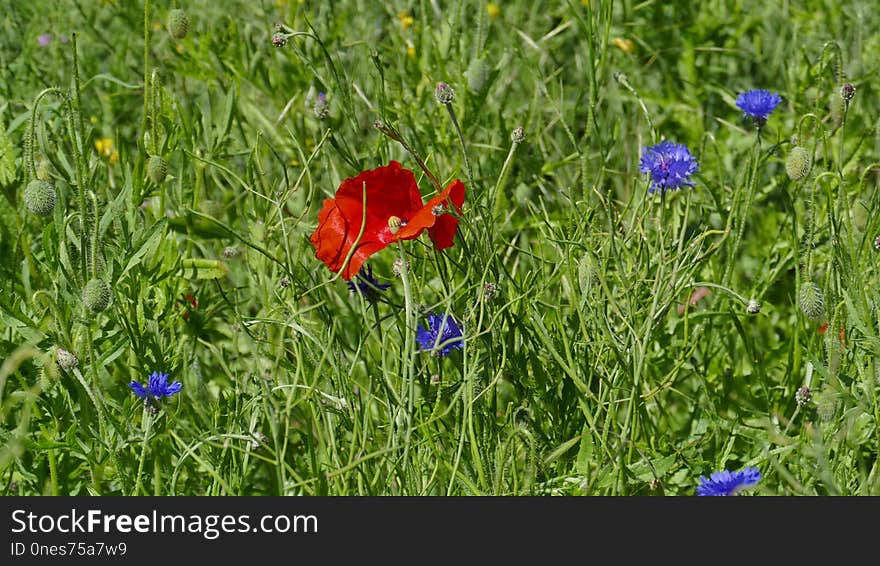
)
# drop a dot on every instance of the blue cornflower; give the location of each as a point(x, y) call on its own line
point(156, 387)
point(443, 332)
point(368, 286)
point(670, 165)
point(728, 483)
point(758, 104)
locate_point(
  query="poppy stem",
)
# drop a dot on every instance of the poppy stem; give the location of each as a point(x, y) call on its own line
point(395, 135)
point(407, 352)
point(467, 164)
point(360, 235)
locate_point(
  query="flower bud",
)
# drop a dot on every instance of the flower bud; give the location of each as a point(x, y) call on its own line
point(753, 307)
point(39, 196)
point(321, 107)
point(444, 93)
point(477, 74)
point(803, 396)
point(97, 295)
point(847, 92)
point(811, 300)
point(517, 135)
point(178, 23)
point(798, 163)
point(279, 39)
point(157, 169)
point(66, 360)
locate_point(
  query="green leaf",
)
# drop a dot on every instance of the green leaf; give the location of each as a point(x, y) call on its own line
point(199, 268)
point(585, 452)
point(7, 157)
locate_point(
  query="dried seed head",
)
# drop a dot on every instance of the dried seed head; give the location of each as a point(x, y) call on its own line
point(284, 282)
point(444, 93)
point(229, 252)
point(489, 291)
point(97, 295)
point(157, 169)
point(517, 135)
point(178, 23)
point(39, 196)
point(811, 300)
point(798, 163)
point(399, 267)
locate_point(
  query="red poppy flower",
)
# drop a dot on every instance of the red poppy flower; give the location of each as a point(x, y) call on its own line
point(394, 211)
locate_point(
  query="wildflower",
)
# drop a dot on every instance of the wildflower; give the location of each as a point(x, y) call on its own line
point(368, 286)
point(847, 92)
point(394, 211)
point(669, 164)
point(410, 49)
point(728, 483)
point(758, 104)
point(442, 332)
point(405, 20)
point(44, 39)
point(279, 39)
point(803, 396)
point(624, 44)
point(321, 107)
point(156, 387)
point(104, 147)
point(493, 10)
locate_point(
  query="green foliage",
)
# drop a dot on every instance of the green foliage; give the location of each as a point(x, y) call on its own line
point(611, 348)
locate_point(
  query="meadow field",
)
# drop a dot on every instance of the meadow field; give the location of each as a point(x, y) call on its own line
point(428, 247)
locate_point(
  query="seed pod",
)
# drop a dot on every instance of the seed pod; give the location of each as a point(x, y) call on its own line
point(178, 23)
point(811, 300)
point(798, 163)
point(517, 135)
point(39, 196)
point(157, 169)
point(96, 295)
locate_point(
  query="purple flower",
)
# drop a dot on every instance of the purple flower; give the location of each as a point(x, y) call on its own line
point(156, 387)
point(367, 285)
point(442, 333)
point(44, 39)
point(728, 483)
point(758, 104)
point(669, 164)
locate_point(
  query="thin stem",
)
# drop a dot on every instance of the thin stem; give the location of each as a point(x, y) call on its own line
point(408, 352)
point(502, 177)
point(467, 163)
point(148, 423)
point(146, 67)
point(94, 244)
point(393, 134)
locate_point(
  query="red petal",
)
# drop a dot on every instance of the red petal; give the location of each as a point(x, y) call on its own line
point(390, 191)
point(443, 231)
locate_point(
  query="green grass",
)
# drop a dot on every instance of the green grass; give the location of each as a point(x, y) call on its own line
point(580, 375)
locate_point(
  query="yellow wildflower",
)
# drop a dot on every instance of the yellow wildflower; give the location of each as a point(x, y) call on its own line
point(104, 147)
point(493, 9)
point(405, 19)
point(410, 49)
point(623, 44)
